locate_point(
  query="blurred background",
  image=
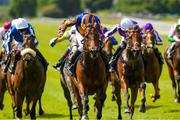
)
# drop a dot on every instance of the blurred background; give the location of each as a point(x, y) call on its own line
point(154, 9)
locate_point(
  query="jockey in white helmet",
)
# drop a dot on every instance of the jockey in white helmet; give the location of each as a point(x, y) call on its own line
point(122, 28)
point(19, 28)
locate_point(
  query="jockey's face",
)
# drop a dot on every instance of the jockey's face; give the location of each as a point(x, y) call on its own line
point(23, 31)
point(178, 30)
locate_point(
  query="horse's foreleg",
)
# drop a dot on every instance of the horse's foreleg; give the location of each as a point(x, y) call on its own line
point(178, 83)
point(156, 89)
point(26, 111)
point(100, 98)
point(19, 102)
point(68, 97)
point(85, 106)
point(118, 100)
point(142, 107)
point(127, 96)
point(134, 93)
point(41, 111)
point(33, 108)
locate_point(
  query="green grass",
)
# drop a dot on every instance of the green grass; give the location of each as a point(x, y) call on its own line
point(55, 105)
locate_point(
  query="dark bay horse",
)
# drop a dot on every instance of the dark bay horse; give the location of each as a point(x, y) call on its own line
point(90, 74)
point(130, 71)
point(28, 80)
point(153, 68)
point(174, 71)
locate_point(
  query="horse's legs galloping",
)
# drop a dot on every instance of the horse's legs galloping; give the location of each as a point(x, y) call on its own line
point(127, 96)
point(19, 102)
point(68, 97)
point(178, 92)
point(118, 100)
point(156, 89)
point(41, 111)
point(100, 98)
point(134, 93)
point(142, 107)
point(33, 108)
point(85, 106)
point(27, 111)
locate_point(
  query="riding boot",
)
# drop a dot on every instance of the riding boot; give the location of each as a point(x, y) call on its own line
point(116, 55)
point(159, 56)
point(72, 59)
point(59, 64)
point(16, 58)
point(7, 65)
point(171, 50)
point(42, 59)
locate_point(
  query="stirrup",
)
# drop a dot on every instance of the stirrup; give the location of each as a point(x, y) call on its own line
point(56, 67)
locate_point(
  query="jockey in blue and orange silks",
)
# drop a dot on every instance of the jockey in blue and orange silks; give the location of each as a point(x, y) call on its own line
point(80, 22)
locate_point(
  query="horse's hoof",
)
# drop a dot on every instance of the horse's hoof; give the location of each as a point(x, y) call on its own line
point(142, 109)
point(26, 112)
point(127, 110)
point(74, 106)
point(113, 98)
point(1, 107)
point(84, 117)
point(176, 100)
point(41, 112)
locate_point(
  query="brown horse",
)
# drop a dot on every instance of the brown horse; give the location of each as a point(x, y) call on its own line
point(130, 71)
point(28, 80)
point(153, 68)
point(174, 71)
point(90, 74)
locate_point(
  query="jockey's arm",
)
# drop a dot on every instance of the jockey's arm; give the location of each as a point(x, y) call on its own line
point(158, 38)
point(111, 32)
point(62, 38)
point(8, 40)
point(66, 24)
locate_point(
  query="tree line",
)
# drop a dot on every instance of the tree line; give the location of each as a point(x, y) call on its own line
point(64, 8)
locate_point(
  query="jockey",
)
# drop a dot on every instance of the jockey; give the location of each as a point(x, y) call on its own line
point(173, 37)
point(149, 26)
point(3, 30)
point(122, 28)
point(80, 22)
point(75, 39)
point(19, 28)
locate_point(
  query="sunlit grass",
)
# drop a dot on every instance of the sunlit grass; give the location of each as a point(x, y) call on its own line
point(55, 105)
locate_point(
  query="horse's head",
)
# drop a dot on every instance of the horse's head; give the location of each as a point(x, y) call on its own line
point(149, 39)
point(28, 52)
point(108, 46)
point(134, 40)
point(92, 43)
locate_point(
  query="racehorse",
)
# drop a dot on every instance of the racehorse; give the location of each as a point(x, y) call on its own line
point(68, 88)
point(130, 71)
point(174, 70)
point(90, 74)
point(153, 68)
point(28, 80)
point(107, 48)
